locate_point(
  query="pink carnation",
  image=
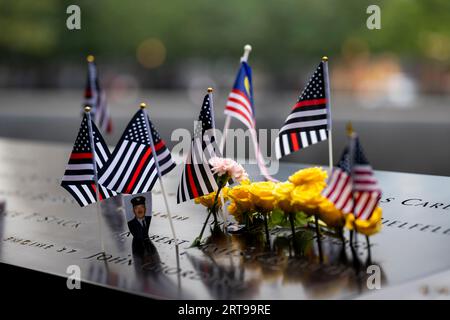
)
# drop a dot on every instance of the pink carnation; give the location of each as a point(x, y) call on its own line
point(228, 166)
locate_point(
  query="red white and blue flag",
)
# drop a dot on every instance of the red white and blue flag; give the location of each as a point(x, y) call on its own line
point(240, 105)
point(240, 100)
point(79, 177)
point(308, 123)
point(95, 97)
point(352, 186)
point(197, 178)
point(132, 168)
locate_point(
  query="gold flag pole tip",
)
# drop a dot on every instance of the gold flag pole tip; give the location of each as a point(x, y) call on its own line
point(90, 58)
point(87, 109)
point(324, 58)
point(349, 129)
point(210, 90)
point(143, 105)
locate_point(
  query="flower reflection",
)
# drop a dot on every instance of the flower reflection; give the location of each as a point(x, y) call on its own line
point(242, 266)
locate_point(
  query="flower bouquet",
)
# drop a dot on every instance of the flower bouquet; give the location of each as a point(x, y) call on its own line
point(225, 171)
point(297, 202)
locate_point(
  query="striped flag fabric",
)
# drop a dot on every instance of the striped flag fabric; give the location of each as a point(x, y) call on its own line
point(240, 100)
point(132, 169)
point(95, 97)
point(352, 186)
point(308, 122)
point(339, 185)
point(197, 178)
point(79, 177)
point(240, 105)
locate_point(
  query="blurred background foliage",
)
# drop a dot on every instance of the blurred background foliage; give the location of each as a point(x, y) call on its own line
point(393, 83)
point(167, 36)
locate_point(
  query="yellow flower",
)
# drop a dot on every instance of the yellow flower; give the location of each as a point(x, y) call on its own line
point(307, 198)
point(282, 194)
point(329, 214)
point(225, 191)
point(238, 215)
point(240, 197)
point(208, 200)
point(366, 227)
point(262, 196)
point(232, 209)
point(310, 176)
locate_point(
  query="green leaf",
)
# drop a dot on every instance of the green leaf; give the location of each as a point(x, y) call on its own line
point(278, 218)
point(301, 219)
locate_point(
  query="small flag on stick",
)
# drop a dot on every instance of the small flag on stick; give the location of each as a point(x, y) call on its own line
point(197, 178)
point(95, 97)
point(80, 177)
point(309, 121)
point(240, 100)
point(352, 186)
point(132, 168)
point(240, 105)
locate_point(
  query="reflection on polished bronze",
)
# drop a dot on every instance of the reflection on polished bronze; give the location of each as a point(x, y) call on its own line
point(43, 229)
point(139, 225)
point(286, 262)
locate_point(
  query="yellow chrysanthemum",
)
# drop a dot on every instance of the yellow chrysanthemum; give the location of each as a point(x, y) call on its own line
point(310, 176)
point(240, 197)
point(225, 193)
point(329, 214)
point(262, 196)
point(307, 198)
point(282, 194)
point(208, 200)
point(236, 213)
point(232, 209)
point(366, 227)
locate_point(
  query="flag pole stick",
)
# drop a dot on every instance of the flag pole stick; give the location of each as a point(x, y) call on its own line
point(351, 135)
point(330, 151)
point(328, 103)
point(87, 110)
point(143, 107)
point(244, 58)
point(258, 156)
point(210, 94)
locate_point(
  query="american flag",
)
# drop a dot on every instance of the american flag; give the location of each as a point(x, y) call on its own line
point(197, 178)
point(240, 100)
point(352, 186)
point(79, 177)
point(307, 124)
point(132, 168)
point(95, 97)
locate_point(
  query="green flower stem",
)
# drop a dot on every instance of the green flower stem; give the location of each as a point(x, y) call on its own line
point(340, 233)
point(214, 215)
point(198, 240)
point(369, 251)
point(266, 227)
point(291, 220)
point(319, 241)
point(351, 237)
point(216, 202)
point(355, 240)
